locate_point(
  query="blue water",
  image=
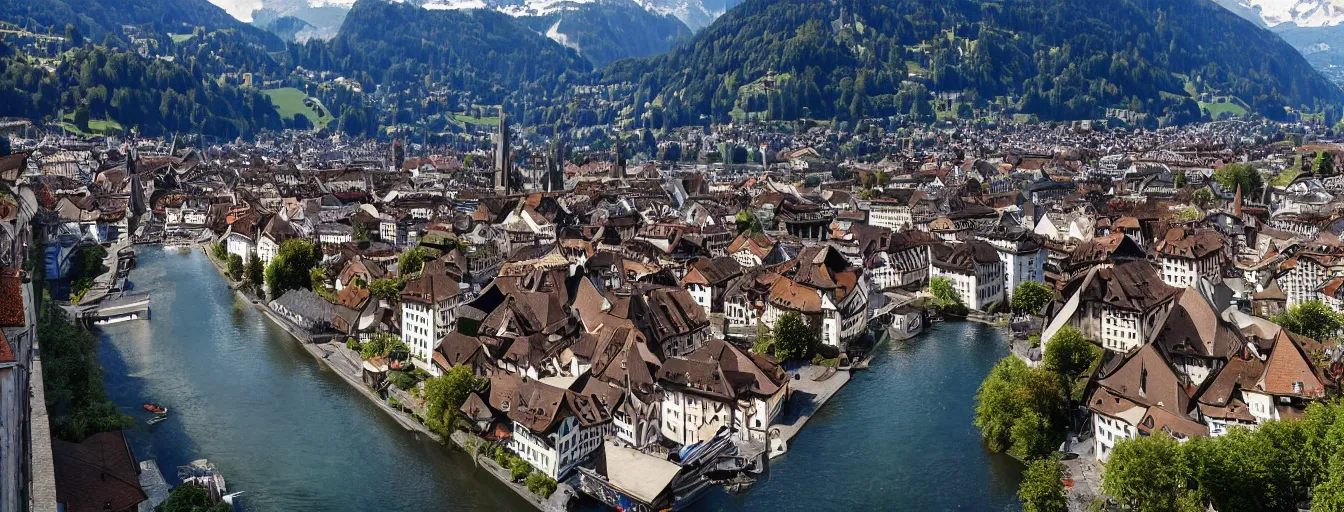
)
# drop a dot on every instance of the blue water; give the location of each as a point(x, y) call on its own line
point(294, 436)
point(281, 426)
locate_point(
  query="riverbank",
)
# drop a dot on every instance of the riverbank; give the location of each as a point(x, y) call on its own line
point(346, 364)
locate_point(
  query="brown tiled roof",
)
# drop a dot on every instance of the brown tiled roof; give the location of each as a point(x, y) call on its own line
point(11, 298)
point(964, 256)
point(1147, 378)
point(98, 474)
point(1175, 425)
point(1133, 286)
point(6, 352)
point(352, 297)
point(1287, 366)
point(458, 348)
point(1186, 243)
point(1239, 373)
point(1193, 328)
point(430, 288)
point(723, 371)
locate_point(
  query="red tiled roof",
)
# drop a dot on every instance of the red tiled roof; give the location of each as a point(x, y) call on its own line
point(6, 352)
point(11, 298)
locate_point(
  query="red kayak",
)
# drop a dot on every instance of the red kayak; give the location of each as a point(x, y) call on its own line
point(155, 408)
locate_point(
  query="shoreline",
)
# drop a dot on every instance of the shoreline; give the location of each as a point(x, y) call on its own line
point(824, 390)
point(406, 421)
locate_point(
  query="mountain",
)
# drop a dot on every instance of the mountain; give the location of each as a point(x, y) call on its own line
point(696, 14)
point(488, 53)
point(1314, 27)
point(608, 30)
point(1299, 13)
point(97, 18)
point(289, 28)
point(326, 16)
point(844, 58)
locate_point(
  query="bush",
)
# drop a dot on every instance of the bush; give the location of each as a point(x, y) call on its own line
point(519, 469)
point(401, 380)
point(540, 484)
point(74, 382)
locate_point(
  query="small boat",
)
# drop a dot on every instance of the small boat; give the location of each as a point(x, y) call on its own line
point(157, 419)
point(155, 408)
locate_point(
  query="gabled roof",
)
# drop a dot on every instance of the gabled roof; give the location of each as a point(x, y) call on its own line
point(722, 371)
point(1186, 243)
point(1290, 372)
point(1193, 328)
point(1146, 377)
point(97, 474)
point(1134, 286)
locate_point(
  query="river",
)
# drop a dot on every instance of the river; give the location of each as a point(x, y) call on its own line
point(294, 436)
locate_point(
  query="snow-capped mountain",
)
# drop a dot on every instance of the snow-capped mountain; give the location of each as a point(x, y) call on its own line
point(1299, 13)
point(326, 15)
point(1314, 27)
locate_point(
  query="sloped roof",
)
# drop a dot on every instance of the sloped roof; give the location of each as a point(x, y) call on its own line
point(97, 474)
point(1146, 377)
point(1288, 367)
point(11, 299)
point(1193, 328)
point(1133, 286)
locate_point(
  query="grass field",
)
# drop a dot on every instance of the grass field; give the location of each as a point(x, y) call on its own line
point(1216, 109)
point(466, 119)
point(181, 38)
point(290, 101)
point(96, 126)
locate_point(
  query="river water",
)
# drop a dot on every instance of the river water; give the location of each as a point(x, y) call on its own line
point(294, 436)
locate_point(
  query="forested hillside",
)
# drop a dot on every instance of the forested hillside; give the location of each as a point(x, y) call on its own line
point(483, 51)
point(155, 97)
point(1051, 58)
point(97, 18)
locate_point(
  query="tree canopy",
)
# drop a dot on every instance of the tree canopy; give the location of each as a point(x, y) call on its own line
point(1070, 354)
point(794, 338)
point(1312, 318)
point(1244, 175)
point(291, 268)
point(445, 394)
point(1042, 488)
point(1272, 468)
point(192, 498)
point(1020, 410)
point(1031, 296)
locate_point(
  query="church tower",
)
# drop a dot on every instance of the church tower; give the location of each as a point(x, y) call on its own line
point(503, 162)
point(618, 161)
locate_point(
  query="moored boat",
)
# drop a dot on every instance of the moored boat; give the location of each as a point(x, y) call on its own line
point(155, 408)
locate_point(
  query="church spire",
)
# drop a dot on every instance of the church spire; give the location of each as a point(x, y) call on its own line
point(1236, 202)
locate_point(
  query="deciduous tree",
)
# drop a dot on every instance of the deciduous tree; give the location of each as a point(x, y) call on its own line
point(1031, 296)
point(1013, 394)
point(794, 338)
point(445, 394)
point(1312, 318)
point(1147, 473)
point(1042, 488)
